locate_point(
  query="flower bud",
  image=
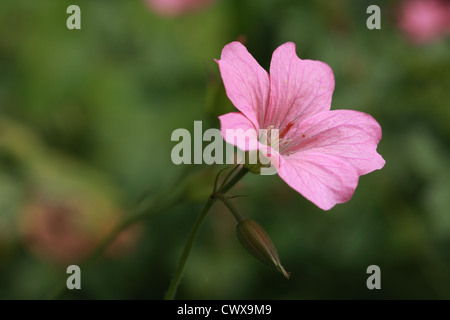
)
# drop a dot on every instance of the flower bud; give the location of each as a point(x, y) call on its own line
point(256, 241)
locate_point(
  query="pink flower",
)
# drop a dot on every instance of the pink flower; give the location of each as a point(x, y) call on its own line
point(322, 153)
point(176, 7)
point(423, 21)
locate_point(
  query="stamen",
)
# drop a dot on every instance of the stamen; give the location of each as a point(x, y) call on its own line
point(286, 129)
point(292, 144)
point(268, 137)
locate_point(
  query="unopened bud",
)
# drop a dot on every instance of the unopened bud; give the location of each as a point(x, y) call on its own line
point(256, 241)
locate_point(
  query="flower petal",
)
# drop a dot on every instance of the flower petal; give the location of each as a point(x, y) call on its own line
point(323, 179)
point(350, 135)
point(246, 82)
point(238, 130)
point(298, 88)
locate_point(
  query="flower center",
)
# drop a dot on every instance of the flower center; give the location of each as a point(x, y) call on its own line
point(280, 140)
point(275, 138)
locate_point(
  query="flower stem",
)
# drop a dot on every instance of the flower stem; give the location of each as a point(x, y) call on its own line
point(194, 232)
point(225, 188)
point(230, 207)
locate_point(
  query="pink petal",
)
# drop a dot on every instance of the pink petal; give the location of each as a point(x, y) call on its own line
point(323, 179)
point(246, 82)
point(424, 20)
point(337, 147)
point(351, 135)
point(247, 138)
point(246, 133)
point(176, 7)
point(298, 88)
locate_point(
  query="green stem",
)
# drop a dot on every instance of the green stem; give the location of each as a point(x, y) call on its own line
point(187, 250)
point(194, 232)
point(230, 207)
point(225, 188)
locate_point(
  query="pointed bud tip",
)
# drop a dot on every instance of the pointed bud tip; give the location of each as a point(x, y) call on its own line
point(257, 242)
point(286, 274)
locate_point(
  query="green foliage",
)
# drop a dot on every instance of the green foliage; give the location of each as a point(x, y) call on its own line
point(91, 112)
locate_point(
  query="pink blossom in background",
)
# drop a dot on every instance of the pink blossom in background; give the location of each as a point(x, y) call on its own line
point(423, 21)
point(322, 153)
point(176, 7)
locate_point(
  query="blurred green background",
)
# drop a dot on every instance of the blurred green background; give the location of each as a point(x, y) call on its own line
point(86, 118)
